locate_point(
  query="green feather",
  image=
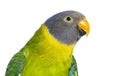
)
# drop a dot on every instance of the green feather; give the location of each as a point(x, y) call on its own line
point(73, 69)
point(16, 64)
point(54, 56)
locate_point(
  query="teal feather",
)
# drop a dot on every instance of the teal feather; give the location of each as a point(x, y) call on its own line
point(73, 69)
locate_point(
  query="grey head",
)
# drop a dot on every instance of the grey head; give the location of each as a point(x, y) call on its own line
point(64, 26)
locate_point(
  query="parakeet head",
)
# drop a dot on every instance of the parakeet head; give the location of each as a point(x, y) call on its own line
point(68, 26)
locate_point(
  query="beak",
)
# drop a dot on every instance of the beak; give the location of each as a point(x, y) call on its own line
point(84, 25)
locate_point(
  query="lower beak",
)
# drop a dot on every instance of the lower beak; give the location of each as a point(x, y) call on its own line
point(84, 25)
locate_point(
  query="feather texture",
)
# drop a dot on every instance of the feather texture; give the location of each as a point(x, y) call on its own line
point(16, 64)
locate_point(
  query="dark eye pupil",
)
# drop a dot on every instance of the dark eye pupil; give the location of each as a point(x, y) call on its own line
point(68, 18)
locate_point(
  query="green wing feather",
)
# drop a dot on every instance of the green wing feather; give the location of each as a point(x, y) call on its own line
point(73, 69)
point(16, 64)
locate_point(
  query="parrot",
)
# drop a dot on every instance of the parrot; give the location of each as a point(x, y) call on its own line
point(50, 51)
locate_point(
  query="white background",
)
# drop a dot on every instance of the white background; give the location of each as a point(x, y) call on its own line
point(96, 55)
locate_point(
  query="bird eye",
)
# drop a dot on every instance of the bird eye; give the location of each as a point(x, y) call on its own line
point(68, 19)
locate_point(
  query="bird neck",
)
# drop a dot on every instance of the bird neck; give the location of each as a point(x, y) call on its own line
point(44, 43)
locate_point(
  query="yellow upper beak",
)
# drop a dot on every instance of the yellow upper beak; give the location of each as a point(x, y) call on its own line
point(84, 25)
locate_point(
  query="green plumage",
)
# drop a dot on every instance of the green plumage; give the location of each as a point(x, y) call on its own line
point(49, 51)
point(28, 58)
point(16, 65)
point(73, 69)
